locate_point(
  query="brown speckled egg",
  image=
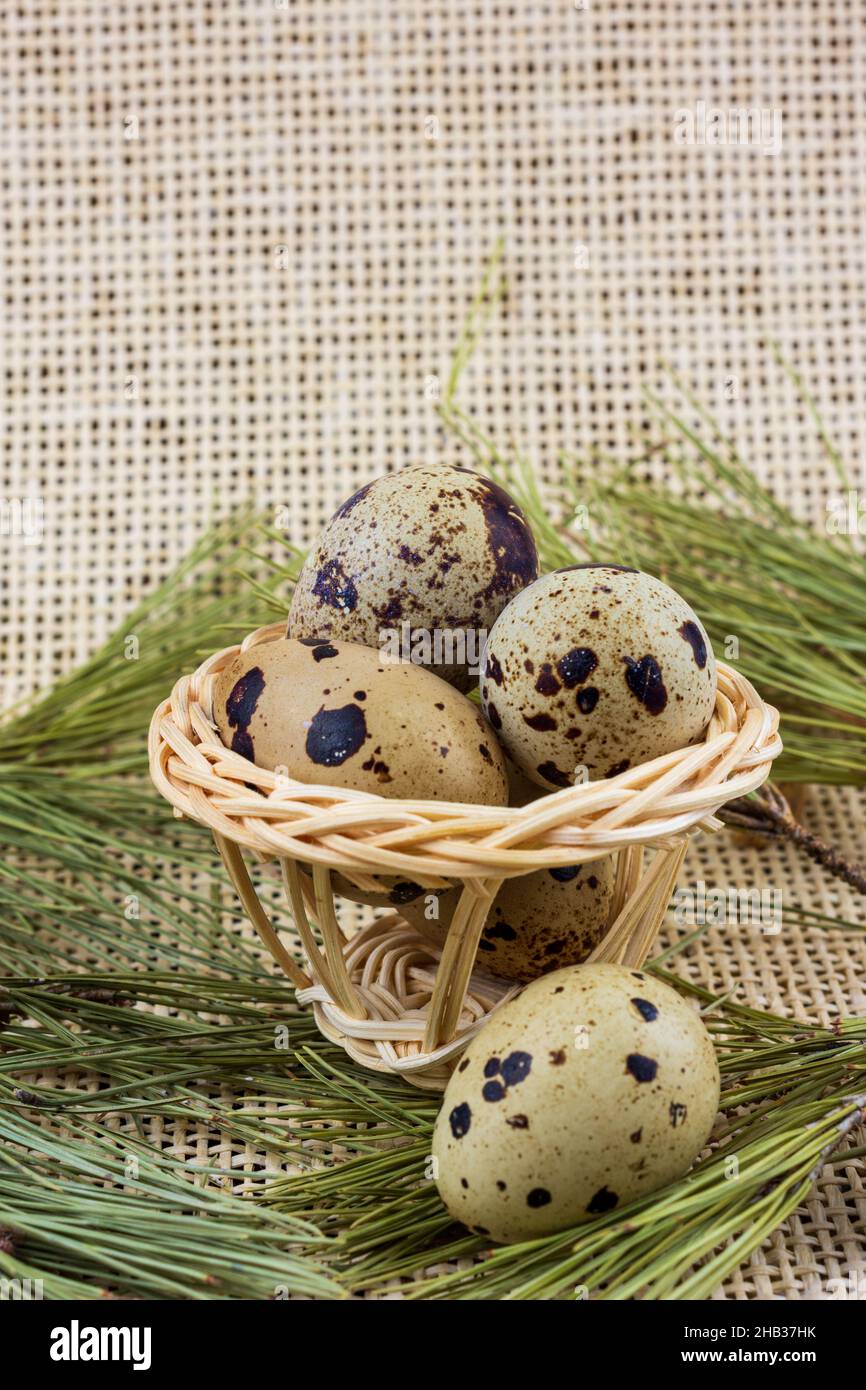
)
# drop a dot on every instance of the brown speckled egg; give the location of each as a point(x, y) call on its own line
point(538, 922)
point(332, 713)
point(432, 549)
point(596, 667)
point(595, 1086)
point(394, 893)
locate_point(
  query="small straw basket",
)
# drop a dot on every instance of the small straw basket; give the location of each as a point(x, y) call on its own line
point(394, 1001)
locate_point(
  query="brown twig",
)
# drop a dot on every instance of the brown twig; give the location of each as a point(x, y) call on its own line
point(767, 812)
point(843, 1129)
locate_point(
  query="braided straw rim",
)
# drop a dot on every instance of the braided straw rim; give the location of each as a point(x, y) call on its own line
point(393, 1002)
point(360, 833)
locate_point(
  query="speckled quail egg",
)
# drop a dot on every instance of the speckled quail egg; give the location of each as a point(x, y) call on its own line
point(417, 557)
point(332, 713)
point(593, 1087)
point(538, 922)
point(597, 667)
point(392, 891)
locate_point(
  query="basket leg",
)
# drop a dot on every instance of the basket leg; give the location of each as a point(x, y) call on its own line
point(643, 940)
point(458, 959)
point(630, 938)
point(237, 871)
point(629, 867)
point(295, 890)
point(330, 968)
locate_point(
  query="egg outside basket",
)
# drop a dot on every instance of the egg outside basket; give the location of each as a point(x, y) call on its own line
point(390, 998)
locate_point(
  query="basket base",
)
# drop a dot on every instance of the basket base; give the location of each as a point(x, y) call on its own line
point(394, 971)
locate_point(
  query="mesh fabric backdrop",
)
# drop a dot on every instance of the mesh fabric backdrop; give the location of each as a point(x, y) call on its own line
point(239, 242)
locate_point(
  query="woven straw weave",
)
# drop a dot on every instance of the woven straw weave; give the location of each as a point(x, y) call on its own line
point(239, 240)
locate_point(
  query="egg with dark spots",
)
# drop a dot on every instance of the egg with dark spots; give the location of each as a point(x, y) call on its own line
point(572, 1135)
point(537, 923)
point(350, 720)
point(600, 668)
point(391, 892)
point(420, 561)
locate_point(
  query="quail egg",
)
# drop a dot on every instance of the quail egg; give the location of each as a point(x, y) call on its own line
point(596, 667)
point(332, 713)
point(593, 1087)
point(418, 563)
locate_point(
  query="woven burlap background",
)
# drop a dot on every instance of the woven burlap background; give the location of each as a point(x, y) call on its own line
point(239, 241)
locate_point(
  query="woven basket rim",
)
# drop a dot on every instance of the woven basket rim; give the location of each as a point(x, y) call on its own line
point(656, 803)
